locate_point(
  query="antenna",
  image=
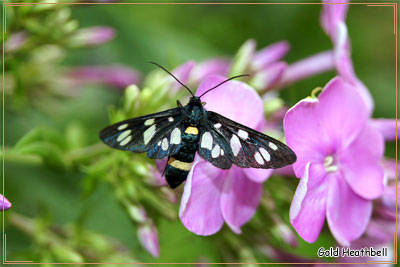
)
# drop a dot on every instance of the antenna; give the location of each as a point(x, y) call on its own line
point(158, 65)
point(231, 78)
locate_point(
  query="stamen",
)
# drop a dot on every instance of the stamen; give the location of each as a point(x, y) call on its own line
point(327, 163)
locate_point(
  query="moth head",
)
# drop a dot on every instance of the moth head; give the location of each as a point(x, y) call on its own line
point(195, 100)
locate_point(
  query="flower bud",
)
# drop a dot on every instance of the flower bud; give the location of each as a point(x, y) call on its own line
point(130, 97)
point(92, 36)
point(5, 204)
point(148, 237)
point(243, 57)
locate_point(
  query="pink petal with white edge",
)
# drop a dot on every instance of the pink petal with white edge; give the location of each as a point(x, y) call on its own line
point(307, 211)
point(240, 198)
point(347, 213)
point(344, 65)
point(331, 15)
point(342, 113)
point(387, 127)
point(304, 134)
point(257, 175)
point(200, 205)
point(226, 99)
point(360, 163)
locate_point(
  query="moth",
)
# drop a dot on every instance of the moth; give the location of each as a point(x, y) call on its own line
point(179, 133)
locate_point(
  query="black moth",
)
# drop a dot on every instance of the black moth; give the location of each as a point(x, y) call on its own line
point(179, 132)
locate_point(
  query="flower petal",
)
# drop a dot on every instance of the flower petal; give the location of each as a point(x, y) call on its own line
point(360, 163)
point(240, 198)
point(270, 54)
point(306, 67)
point(342, 113)
point(182, 72)
point(213, 66)
point(387, 127)
point(226, 99)
point(200, 204)
point(331, 15)
point(257, 175)
point(268, 77)
point(304, 134)
point(347, 213)
point(344, 65)
point(307, 211)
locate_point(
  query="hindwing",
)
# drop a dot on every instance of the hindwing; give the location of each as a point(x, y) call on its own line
point(242, 146)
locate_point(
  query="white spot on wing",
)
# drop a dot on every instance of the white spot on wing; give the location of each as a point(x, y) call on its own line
point(258, 158)
point(175, 136)
point(122, 126)
point(243, 134)
point(222, 152)
point(207, 140)
point(126, 141)
point(159, 143)
point(265, 154)
point(215, 152)
point(235, 145)
point(217, 125)
point(164, 144)
point(123, 135)
point(148, 134)
point(272, 145)
point(149, 122)
point(170, 119)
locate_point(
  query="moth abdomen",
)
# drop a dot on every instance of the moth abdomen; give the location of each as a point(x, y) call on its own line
point(179, 164)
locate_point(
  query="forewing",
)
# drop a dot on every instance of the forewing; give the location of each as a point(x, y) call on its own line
point(250, 148)
point(155, 133)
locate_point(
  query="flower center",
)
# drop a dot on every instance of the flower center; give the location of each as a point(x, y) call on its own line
point(329, 164)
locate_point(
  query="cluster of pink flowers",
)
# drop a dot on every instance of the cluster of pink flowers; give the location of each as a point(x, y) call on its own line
point(339, 146)
point(340, 149)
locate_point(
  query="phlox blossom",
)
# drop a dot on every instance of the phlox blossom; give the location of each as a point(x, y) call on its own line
point(339, 156)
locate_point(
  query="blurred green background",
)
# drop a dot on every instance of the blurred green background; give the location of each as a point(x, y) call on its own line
point(172, 35)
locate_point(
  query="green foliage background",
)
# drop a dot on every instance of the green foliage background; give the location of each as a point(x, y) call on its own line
point(171, 35)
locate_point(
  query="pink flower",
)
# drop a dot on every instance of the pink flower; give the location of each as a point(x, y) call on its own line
point(338, 160)
point(15, 41)
point(112, 75)
point(333, 22)
point(213, 196)
point(92, 36)
point(5, 204)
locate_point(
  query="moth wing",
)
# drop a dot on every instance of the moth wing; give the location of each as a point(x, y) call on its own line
point(250, 148)
point(214, 147)
point(158, 134)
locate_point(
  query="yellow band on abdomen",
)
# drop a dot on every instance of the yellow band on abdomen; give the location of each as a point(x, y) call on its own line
point(184, 166)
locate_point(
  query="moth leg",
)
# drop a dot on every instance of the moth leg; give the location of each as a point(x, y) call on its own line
point(179, 104)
